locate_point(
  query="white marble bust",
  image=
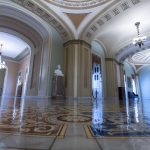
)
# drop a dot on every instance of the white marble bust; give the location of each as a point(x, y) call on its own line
point(58, 71)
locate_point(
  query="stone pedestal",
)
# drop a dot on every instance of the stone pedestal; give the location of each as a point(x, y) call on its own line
point(58, 88)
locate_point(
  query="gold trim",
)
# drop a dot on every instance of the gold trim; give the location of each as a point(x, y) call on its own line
point(61, 134)
point(87, 132)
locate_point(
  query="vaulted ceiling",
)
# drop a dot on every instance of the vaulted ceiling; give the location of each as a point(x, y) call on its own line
point(12, 45)
point(111, 22)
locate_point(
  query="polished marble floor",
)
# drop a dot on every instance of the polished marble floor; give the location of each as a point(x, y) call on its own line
point(87, 124)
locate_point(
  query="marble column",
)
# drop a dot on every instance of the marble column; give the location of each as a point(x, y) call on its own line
point(111, 78)
point(138, 85)
point(77, 69)
point(121, 87)
point(121, 66)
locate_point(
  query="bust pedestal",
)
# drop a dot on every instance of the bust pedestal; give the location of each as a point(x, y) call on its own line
point(58, 88)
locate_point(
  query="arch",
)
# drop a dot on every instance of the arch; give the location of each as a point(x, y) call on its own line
point(40, 10)
point(98, 49)
point(142, 67)
point(130, 50)
point(17, 34)
point(38, 35)
point(85, 30)
point(103, 49)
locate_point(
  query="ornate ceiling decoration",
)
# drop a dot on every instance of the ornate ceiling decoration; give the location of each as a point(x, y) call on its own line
point(140, 58)
point(101, 20)
point(48, 17)
point(130, 51)
point(77, 4)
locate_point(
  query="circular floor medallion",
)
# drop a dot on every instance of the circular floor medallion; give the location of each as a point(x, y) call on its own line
point(74, 118)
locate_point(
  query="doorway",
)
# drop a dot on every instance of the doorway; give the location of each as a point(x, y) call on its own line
point(96, 77)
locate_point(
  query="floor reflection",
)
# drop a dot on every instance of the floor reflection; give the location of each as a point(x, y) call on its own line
point(127, 122)
point(48, 118)
point(97, 115)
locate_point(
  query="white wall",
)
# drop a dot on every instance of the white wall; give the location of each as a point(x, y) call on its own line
point(144, 79)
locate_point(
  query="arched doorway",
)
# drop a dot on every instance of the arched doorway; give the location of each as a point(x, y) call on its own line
point(96, 77)
point(16, 54)
point(38, 44)
point(136, 75)
point(98, 70)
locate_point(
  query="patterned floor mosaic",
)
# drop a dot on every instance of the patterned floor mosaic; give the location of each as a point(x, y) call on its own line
point(124, 123)
point(99, 119)
point(49, 121)
point(33, 122)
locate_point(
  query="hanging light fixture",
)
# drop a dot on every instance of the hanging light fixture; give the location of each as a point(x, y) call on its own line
point(139, 41)
point(2, 64)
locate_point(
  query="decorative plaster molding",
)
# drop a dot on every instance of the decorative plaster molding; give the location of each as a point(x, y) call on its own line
point(91, 29)
point(21, 56)
point(129, 50)
point(142, 57)
point(49, 18)
point(77, 42)
point(77, 4)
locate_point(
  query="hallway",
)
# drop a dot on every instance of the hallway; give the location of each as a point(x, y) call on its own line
point(73, 124)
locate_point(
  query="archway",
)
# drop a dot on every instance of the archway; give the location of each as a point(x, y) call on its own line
point(136, 69)
point(16, 54)
point(36, 37)
point(98, 70)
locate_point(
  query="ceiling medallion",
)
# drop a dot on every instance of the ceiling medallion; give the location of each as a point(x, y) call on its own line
point(77, 4)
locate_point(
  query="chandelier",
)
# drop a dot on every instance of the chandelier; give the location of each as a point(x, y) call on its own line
point(139, 41)
point(2, 64)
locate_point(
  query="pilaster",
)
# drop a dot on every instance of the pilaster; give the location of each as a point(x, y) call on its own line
point(77, 69)
point(111, 78)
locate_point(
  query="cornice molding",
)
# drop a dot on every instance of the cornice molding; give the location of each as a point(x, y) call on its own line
point(112, 59)
point(77, 4)
point(81, 42)
point(130, 49)
point(50, 18)
point(106, 15)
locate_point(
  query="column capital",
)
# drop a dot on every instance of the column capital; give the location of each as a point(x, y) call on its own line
point(81, 42)
point(112, 59)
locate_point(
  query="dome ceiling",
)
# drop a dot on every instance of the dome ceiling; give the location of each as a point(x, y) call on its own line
point(77, 4)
